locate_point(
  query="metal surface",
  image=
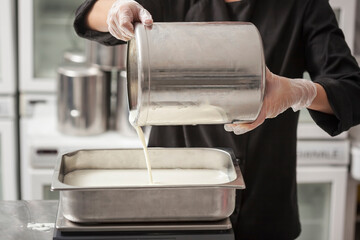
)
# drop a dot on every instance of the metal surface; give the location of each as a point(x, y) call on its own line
point(83, 99)
point(158, 235)
point(106, 57)
point(74, 56)
point(122, 107)
point(148, 203)
point(195, 73)
point(65, 225)
point(16, 217)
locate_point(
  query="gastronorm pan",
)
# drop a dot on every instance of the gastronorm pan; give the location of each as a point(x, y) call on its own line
point(208, 200)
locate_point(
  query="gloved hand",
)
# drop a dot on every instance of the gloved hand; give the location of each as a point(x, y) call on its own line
point(281, 93)
point(122, 15)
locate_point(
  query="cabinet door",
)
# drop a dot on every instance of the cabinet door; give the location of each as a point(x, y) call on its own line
point(38, 187)
point(8, 161)
point(7, 48)
point(322, 199)
point(45, 34)
point(314, 207)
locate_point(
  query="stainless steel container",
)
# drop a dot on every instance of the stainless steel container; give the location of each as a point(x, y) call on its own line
point(147, 202)
point(106, 57)
point(83, 100)
point(195, 73)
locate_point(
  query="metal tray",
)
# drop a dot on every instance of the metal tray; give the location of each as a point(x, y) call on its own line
point(148, 203)
point(65, 225)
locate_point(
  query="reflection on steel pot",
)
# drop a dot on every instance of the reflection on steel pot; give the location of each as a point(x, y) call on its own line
point(122, 110)
point(83, 100)
point(106, 57)
point(195, 73)
point(74, 56)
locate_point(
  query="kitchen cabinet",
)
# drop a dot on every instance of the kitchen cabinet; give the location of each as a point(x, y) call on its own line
point(7, 48)
point(45, 34)
point(8, 147)
point(8, 160)
point(322, 202)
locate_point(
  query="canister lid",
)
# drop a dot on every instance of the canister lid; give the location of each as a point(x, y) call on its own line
point(107, 57)
point(75, 56)
point(79, 70)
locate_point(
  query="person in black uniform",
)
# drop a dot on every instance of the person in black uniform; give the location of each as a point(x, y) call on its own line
point(298, 36)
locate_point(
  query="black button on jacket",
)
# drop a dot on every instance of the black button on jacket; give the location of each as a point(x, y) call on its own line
point(298, 36)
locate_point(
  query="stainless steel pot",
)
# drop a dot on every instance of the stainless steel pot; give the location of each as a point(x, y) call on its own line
point(83, 100)
point(195, 73)
point(106, 57)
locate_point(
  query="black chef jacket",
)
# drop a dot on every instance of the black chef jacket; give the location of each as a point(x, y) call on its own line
point(298, 36)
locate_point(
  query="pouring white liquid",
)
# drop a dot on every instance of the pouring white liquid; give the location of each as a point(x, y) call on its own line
point(184, 115)
point(141, 136)
point(180, 115)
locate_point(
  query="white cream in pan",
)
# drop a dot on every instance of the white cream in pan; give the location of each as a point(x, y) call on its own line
point(133, 177)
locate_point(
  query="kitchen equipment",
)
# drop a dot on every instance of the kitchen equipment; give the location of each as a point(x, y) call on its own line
point(214, 230)
point(112, 60)
point(106, 57)
point(322, 174)
point(322, 193)
point(44, 220)
point(41, 143)
point(83, 100)
point(315, 152)
point(148, 202)
point(195, 73)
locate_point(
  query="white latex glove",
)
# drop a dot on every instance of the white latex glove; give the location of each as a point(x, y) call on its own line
point(122, 15)
point(281, 93)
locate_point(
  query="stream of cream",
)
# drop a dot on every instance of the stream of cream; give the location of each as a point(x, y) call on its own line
point(141, 136)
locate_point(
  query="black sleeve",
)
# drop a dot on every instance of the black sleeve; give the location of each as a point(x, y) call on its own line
point(83, 31)
point(330, 63)
point(155, 7)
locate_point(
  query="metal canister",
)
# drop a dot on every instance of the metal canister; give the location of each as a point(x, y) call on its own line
point(107, 58)
point(112, 60)
point(83, 100)
point(195, 73)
